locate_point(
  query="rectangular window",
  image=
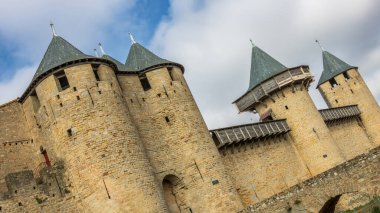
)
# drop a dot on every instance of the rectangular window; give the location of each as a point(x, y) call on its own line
point(346, 76)
point(145, 83)
point(95, 69)
point(333, 82)
point(62, 79)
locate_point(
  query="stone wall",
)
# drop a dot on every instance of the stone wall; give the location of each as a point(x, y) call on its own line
point(350, 136)
point(309, 132)
point(178, 142)
point(87, 126)
point(17, 150)
point(263, 168)
point(12, 123)
point(354, 91)
point(359, 175)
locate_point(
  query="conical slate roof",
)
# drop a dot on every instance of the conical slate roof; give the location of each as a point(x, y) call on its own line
point(59, 52)
point(263, 67)
point(140, 58)
point(120, 66)
point(332, 66)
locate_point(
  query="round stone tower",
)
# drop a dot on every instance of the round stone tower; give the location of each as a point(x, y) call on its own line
point(91, 131)
point(179, 145)
point(277, 92)
point(342, 85)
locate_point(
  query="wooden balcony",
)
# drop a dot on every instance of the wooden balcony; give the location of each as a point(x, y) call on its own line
point(248, 132)
point(288, 77)
point(338, 113)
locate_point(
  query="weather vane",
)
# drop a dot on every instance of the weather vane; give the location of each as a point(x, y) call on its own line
point(53, 29)
point(101, 49)
point(96, 52)
point(131, 37)
point(253, 45)
point(319, 43)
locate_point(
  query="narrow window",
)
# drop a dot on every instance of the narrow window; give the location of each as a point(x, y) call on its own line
point(167, 119)
point(69, 132)
point(214, 182)
point(333, 82)
point(346, 76)
point(62, 79)
point(145, 83)
point(95, 70)
point(336, 100)
point(75, 89)
point(78, 98)
point(170, 70)
point(286, 107)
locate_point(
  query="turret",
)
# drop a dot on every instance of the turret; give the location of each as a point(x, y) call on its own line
point(278, 92)
point(75, 105)
point(177, 140)
point(341, 84)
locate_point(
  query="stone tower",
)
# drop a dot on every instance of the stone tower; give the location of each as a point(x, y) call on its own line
point(341, 84)
point(277, 92)
point(76, 106)
point(178, 143)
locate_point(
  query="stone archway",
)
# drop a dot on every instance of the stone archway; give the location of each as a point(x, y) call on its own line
point(174, 194)
point(344, 202)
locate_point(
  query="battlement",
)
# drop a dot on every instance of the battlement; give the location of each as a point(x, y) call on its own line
point(229, 136)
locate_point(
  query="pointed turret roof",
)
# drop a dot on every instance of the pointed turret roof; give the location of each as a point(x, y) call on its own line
point(120, 66)
point(59, 52)
point(332, 66)
point(141, 59)
point(263, 67)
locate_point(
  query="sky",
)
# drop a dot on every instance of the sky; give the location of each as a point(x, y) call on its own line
point(209, 37)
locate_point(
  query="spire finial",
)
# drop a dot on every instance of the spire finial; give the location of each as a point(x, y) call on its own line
point(320, 46)
point(253, 45)
point(53, 28)
point(131, 37)
point(101, 49)
point(96, 52)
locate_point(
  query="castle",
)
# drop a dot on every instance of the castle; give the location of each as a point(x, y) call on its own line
point(91, 134)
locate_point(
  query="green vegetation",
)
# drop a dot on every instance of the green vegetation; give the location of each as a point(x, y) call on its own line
point(372, 206)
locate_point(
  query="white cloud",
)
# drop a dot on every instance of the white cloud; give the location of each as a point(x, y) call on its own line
point(24, 24)
point(84, 22)
point(212, 42)
point(13, 88)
